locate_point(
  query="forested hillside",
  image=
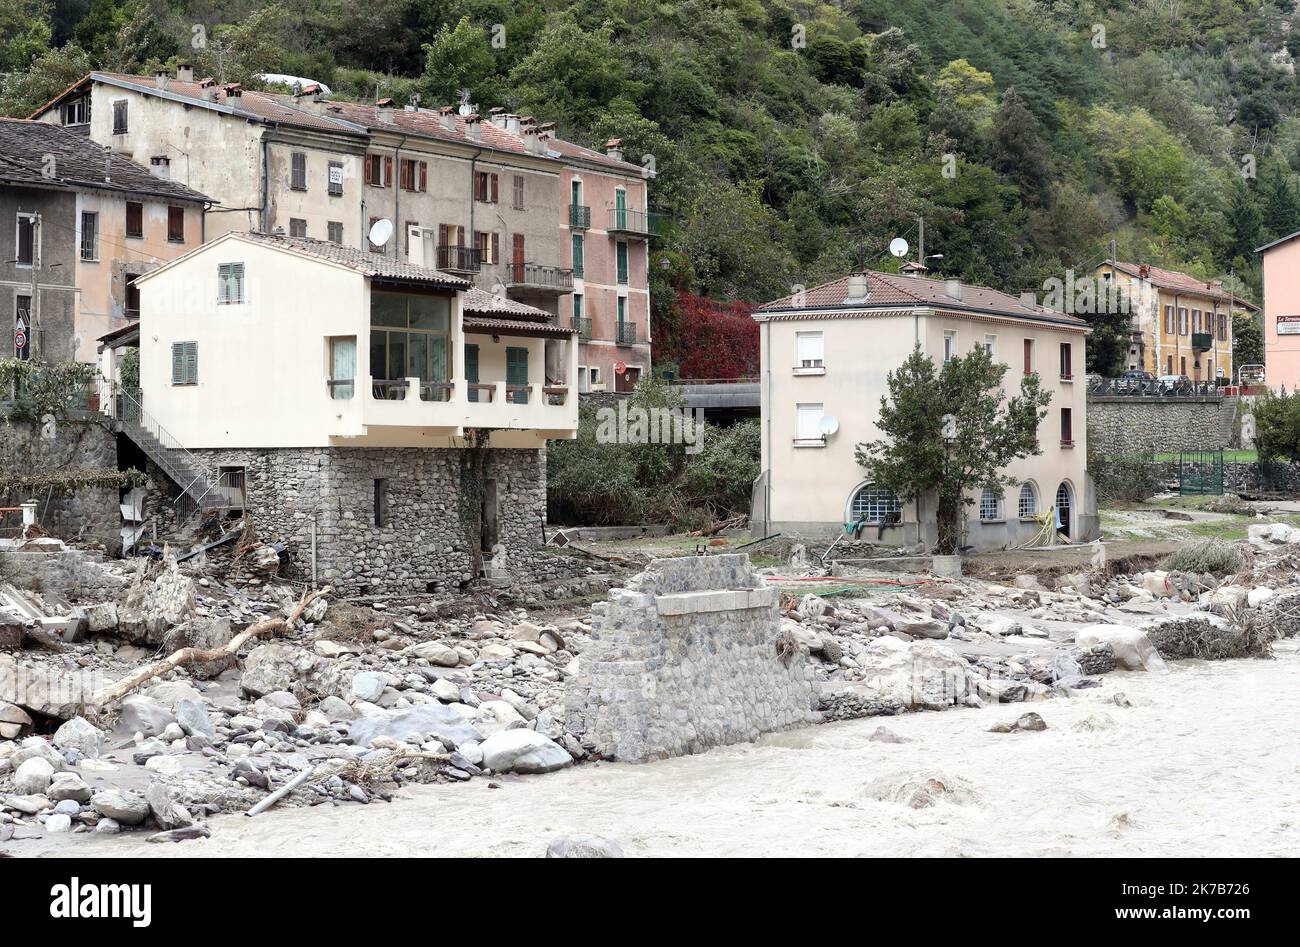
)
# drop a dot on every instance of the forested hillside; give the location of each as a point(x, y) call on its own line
point(793, 140)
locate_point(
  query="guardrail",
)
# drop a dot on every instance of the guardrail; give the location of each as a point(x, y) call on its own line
point(1146, 388)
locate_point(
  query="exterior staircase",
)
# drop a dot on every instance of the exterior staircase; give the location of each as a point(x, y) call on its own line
point(201, 489)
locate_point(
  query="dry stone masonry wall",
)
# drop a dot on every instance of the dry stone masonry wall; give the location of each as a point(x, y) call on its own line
point(688, 656)
point(1131, 425)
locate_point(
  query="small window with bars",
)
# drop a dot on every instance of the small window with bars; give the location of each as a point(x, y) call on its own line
point(1028, 504)
point(990, 505)
point(875, 505)
point(230, 284)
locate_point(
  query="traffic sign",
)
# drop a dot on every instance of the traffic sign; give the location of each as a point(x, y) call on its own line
point(20, 341)
point(21, 324)
point(620, 367)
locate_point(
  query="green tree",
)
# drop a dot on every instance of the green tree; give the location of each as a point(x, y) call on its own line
point(1247, 339)
point(461, 58)
point(991, 430)
point(1277, 426)
point(21, 93)
point(25, 32)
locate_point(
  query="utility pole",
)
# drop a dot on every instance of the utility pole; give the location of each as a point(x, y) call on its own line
point(920, 241)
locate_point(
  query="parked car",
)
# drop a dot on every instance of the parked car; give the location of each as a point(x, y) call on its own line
point(1135, 382)
point(1174, 384)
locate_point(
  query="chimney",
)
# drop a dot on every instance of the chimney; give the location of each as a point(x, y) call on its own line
point(857, 288)
point(234, 90)
point(511, 124)
point(952, 288)
point(447, 116)
point(207, 82)
point(160, 79)
point(474, 126)
point(1144, 271)
point(1029, 298)
point(546, 129)
point(384, 111)
point(160, 166)
point(533, 142)
point(184, 72)
point(614, 148)
point(497, 116)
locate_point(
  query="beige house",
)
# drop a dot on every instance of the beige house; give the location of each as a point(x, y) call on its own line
point(361, 409)
point(80, 226)
point(825, 355)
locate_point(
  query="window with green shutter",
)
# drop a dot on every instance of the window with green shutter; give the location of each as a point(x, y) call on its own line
point(622, 263)
point(230, 283)
point(471, 370)
point(517, 374)
point(185, 363)
point(577, 255)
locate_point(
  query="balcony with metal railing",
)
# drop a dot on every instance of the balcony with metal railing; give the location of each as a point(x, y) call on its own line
point(453, 259)
point(539, 278)
point(637, 223)
point(627, 333)
point(579, 216)
point(583, 325)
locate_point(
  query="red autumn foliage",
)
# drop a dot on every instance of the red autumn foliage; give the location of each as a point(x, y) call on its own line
point(710, 339)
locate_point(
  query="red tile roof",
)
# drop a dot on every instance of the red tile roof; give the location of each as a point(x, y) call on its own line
point(1180, 282)
point(893, 291)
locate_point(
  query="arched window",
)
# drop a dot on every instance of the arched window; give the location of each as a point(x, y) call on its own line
point(1028, 501)
point(990, 504)
point(875, 505)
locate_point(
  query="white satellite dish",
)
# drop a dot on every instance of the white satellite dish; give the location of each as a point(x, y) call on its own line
point(828, 425)
point(381, 232)
point(898, 247)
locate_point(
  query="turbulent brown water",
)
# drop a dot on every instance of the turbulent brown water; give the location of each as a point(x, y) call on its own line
point(1205, 762)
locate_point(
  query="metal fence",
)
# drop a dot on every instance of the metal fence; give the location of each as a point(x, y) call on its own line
point(1153, 387)
point(1200, 473)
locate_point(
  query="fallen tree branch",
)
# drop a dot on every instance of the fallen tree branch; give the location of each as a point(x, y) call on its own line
point(266, 626)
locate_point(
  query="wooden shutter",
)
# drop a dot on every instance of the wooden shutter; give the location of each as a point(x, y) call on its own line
point(1029, 356)
point(178, 363)
point(424, 175)
point(496, 247)
point(388, 170)
point(495, 191)
point(1067, 424)
point(517, 249)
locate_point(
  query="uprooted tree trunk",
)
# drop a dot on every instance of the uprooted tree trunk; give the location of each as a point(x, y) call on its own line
point(184, 656)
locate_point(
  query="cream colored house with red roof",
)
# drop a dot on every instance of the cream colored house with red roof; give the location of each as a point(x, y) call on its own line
point(825, 355)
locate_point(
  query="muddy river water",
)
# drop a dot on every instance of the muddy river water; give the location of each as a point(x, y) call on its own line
point(1206, 761)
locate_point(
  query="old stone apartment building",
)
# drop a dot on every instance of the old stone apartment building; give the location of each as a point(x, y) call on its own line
point(1180, 325)
point(496, 199)
point(80, 225)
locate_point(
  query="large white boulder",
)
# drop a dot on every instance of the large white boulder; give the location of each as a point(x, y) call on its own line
point(1157, 584)
point(523, 751)
point(916, 674)
point(1133, 649)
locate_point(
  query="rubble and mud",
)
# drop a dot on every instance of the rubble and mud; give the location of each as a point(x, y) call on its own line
point(359, 699)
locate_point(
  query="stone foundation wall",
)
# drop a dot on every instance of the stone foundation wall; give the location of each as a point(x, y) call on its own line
point(89, 514)
point(686, 658)
point(1122, 424)
point(421, 546)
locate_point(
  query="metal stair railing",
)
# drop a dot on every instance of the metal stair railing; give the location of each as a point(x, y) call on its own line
point(192, 475)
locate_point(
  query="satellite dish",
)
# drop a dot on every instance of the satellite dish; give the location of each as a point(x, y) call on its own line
point(828, 425)
point(898, 247)
point(381, 232)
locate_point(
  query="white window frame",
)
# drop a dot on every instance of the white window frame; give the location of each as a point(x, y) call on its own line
point(990, 506)
point(1033, 501)
point(810, 359)
point(81, 237)
point(991, 345)
point(224, 299)
point(949, 345)
point(36, 240)
point(879, 503)
point(594, 372)
point(803, 435)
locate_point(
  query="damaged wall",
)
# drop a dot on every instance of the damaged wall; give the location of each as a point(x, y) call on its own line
point(686, 658)
point(90, 514)
point(420, 538)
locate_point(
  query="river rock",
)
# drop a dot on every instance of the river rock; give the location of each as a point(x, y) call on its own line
point(68, 786)
point(166, 811)
point(13, 720)
point(33, 777)
point(126, 808)
point(1133, 650)
point(523, 751)
point(192, 715)
point(413, 725)
point(368, 685)
point(59, 822)
point(81, 735)
point(435, 653)
point(143, 715)
point(204, 634)
point(282, 667)
point(584, 846)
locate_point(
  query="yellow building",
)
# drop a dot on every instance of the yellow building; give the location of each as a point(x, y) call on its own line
point(1181, 325)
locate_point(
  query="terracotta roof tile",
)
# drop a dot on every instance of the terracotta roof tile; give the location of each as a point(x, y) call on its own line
point(1180, 282)
point(375, 265)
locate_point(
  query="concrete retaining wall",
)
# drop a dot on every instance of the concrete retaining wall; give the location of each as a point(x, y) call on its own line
point(685, 658)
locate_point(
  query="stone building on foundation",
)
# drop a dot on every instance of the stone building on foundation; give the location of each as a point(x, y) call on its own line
point(386, 422)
